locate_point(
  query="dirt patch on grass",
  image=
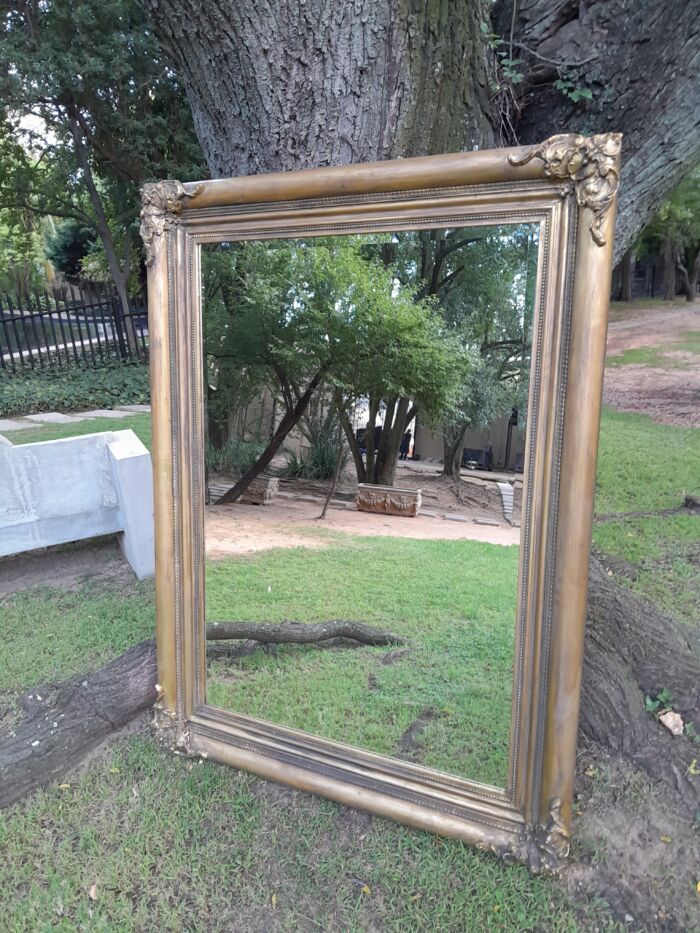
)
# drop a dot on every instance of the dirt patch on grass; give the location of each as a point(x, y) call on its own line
point(66, 567)
point(233, 530)
point(634, 846)
point(669, 394)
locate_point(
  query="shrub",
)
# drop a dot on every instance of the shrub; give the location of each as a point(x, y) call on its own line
point(318, 462)
point(236, 456)
point(76, 389)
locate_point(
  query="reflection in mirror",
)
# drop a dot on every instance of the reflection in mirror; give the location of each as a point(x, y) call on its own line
point(381, 379)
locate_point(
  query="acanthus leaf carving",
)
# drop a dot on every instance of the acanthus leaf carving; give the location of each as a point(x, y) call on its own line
point(590, 163)
point(170, 731)
point(161, 203)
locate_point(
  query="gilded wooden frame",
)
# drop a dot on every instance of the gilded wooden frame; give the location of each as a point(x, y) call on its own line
point(568, 185)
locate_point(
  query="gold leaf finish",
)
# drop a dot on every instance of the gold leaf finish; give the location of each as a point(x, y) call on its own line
point(590, 162)
point(161, 202)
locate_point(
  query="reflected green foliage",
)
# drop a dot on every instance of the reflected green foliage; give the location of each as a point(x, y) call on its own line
point(294, 308)
point(433, 322)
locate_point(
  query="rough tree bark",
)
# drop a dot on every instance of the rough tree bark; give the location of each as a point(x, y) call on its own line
point(642, 63)
point(63, 722)
point(634, 651)
point(283, 85)
point(626, 267)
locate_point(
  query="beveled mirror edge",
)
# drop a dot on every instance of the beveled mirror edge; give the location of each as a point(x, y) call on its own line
point(537, 829)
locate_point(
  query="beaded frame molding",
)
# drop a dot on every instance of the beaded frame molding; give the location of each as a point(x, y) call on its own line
point(567, 185)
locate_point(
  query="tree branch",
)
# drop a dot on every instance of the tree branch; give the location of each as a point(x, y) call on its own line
point(300, 633)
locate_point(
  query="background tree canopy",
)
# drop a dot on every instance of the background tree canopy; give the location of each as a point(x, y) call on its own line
point(91, 108)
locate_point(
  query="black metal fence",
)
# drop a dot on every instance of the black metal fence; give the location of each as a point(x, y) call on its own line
point(76, 325)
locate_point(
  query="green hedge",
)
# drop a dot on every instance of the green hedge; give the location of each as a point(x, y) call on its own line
point(76, 389)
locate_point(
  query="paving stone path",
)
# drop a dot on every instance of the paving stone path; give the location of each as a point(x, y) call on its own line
point(56, 417)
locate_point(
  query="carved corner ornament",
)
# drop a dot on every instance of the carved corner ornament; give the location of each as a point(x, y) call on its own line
point(543, 849)
point(169, 730)
point(161, 202)
point(589, 163)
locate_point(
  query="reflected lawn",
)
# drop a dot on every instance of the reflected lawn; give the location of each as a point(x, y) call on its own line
point(444, 702)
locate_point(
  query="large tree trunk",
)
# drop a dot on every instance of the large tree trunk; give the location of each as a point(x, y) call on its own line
point(396, 420)
point(451, 449)
point(642, 64)
point(626, 267)
point(669, 269)
point(285, 85)
point(686, 284)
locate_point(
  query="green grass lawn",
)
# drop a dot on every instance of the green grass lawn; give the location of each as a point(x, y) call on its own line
point(140, 424)
point(454, 603)
point(643, 466)
point(162, 843)
point(141, 839)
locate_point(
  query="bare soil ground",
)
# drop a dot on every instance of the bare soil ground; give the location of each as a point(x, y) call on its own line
point(233, 530)
point(290, 522)
point(668, 395)
point(66, 566)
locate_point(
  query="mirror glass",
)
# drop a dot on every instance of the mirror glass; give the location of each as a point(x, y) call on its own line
point(367, 394)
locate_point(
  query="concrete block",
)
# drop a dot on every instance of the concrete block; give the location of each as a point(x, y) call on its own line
point(424, 513)
point(453, 517)
point(56, 491)
point(54, 417)
point(65, 490)
point(486, 521)
point(133, 479)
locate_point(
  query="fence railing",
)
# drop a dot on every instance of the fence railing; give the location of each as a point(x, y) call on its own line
point(55, 331)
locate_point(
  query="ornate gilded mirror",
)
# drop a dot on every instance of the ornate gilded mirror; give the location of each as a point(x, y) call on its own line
point(376, 406)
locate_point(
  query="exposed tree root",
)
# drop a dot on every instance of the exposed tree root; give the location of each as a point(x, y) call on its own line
point(632, 650)
point(299, 633)
point(64, 722)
